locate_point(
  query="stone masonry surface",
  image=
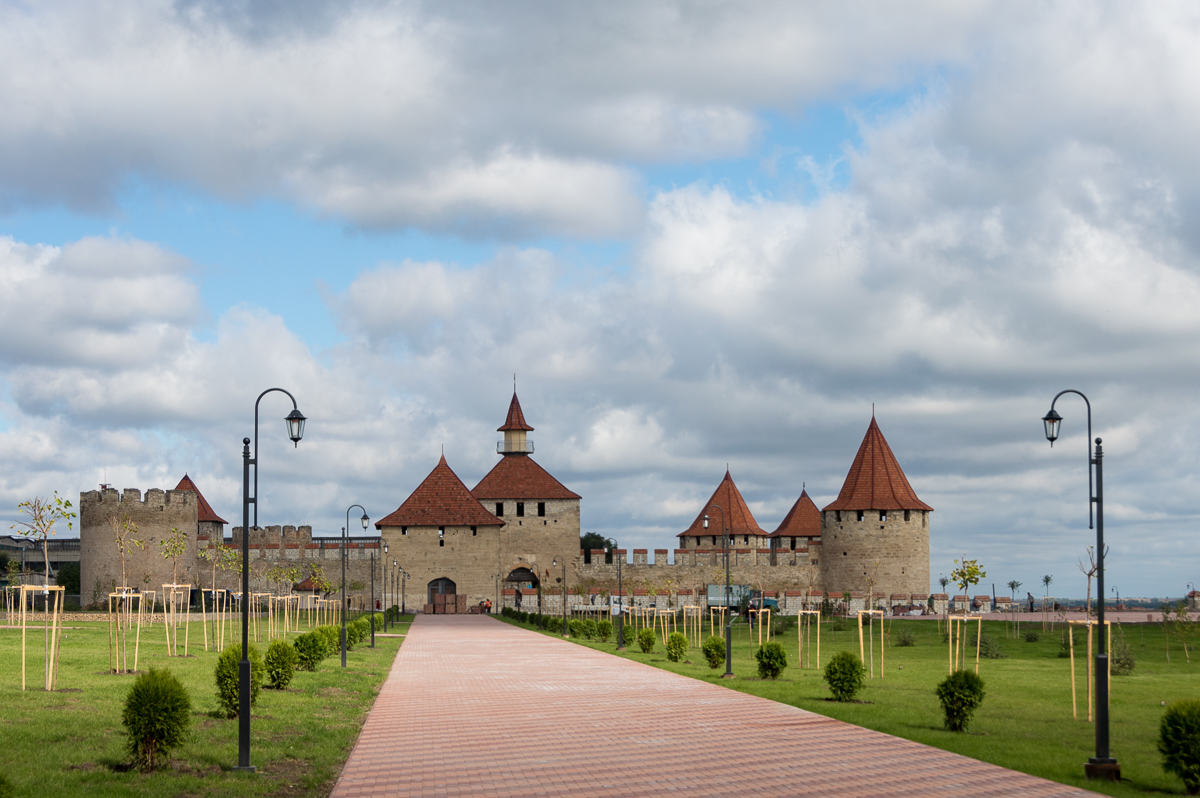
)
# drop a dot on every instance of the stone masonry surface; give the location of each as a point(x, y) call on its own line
point(475, 707)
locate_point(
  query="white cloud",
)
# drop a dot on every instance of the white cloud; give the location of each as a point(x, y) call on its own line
point(1022, 226)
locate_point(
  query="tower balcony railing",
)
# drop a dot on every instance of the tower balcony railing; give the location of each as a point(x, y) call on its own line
point(527, 448)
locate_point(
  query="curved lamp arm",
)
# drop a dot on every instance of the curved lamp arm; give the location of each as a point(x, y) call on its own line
point(1052, 421)
point(295, 424)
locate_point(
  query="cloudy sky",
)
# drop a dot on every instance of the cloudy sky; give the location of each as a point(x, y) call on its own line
point(700, 234)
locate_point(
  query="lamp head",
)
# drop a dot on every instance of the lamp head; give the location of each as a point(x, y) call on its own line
point(1052, 421)
point(385, 548)
point(295, 425)
point(366, 520)
point(706, 520)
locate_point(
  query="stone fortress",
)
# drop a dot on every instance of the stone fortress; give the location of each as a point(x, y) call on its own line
point(506, 540)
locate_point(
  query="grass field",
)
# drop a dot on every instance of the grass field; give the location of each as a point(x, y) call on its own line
point(71, 743)
point(1025, 722)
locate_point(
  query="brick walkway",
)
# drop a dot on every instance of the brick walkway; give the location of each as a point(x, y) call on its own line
point(475, 707)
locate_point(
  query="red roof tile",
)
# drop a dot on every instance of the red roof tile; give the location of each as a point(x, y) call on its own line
point(516, 419)
point(876, 481)
point(205, 512)
point(519, 477)
point(737, 514)
point(803, 520)
point(441, 500)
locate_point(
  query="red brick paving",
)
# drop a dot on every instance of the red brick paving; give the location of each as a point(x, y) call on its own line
point(476, 707)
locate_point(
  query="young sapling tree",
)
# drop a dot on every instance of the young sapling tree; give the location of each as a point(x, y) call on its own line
point(43, 514)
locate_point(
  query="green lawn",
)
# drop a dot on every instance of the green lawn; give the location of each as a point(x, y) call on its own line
point(71, 742)
point(1025, 722)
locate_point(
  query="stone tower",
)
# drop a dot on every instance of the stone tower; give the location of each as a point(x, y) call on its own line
point(155, 514)
point(540, 514)
point(877, 529)
point(744, 531)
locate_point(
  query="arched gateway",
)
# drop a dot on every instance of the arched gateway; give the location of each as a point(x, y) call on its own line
point(441, 587)
point(527, 584)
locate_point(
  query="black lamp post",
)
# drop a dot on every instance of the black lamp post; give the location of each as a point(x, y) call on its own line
point(1101, 766)
point(728, 598)
point(372, 605)
point(612, 547)
point(403, 586)
point(387, 573)
point(365, 521)
point(565, 627)
point(295, 427)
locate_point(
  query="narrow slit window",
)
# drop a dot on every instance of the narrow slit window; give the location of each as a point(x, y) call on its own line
point(520, 509)
point(860, 515)
point(499, 509)
point(882, 516)
point(541, 509)
point(906, 512)
point(474, 532)
point(403, 530)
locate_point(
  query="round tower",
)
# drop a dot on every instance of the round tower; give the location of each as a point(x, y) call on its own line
point(875, 535)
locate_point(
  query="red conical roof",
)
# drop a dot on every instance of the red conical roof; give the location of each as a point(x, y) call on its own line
point(441, 500)
point(876, 481)
point(516, 419)
point(737, 514)
point(205, 510)
point(803, 520)
point(520, 478)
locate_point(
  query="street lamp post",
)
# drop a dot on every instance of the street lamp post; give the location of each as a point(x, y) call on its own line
point(554, 563)
point(365, 521)
point(387, 573)
point(612, 547)
point(728, 598)
point(1101, 766)
point(295, 427)
point(403, 587)
point(372, 604)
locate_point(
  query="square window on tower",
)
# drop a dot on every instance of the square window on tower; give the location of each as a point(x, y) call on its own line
point(520, 509)
point(860, 515)
point(499, 509)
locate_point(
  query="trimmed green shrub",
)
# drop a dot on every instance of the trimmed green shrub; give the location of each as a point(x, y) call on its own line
point(310, 650)
point(989, 648)
point(1179, 743)
point(905, 638)
point(1032, 636)
point(554, 624)
point(281, 663)
point(604, 630)
point(156, 717)
point(845, 675)
point(714, 651)
point(589, 628)
point(576, 627)
point(961, 693)
point(331, 636)
point(646, 639)
point(677, 645)
point(226, 676)
point(772, 660)
point(356, 632)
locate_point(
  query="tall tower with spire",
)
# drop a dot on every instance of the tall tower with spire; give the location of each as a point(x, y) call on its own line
point(540, 514)
point(875, 535)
